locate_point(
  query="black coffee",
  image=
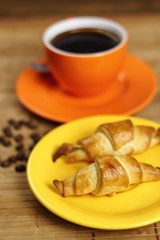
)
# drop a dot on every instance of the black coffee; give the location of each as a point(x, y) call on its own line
point(85, 41)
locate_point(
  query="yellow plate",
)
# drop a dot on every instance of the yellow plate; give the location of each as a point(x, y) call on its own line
point(134, 208)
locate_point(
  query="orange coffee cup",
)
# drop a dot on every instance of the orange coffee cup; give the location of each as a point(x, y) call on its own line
point(85, 74)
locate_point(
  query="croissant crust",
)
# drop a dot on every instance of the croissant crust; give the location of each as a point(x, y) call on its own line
point(108, 175)
point(116, 138)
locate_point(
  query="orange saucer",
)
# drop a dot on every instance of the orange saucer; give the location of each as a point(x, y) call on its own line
point(133, 89)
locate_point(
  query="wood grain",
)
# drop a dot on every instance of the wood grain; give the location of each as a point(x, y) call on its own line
point(21, 215)
point(23, 9)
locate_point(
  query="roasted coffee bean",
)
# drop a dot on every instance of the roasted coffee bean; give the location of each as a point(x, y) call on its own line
point(35, 137)
point(22, 122)
point(20, 168)
point(1, 139)
point(16, 125)
point(6, 143)
point(5, 163)
point(36, 140)
point(7, 131)
point(28, 124)
point(31, 125)
point(11, 122)
point(18, 138)
point(31, 147)
point(19, 147)
point(12, 159)
point(21, 156)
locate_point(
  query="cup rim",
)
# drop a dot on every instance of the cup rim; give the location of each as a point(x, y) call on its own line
point(110, 23)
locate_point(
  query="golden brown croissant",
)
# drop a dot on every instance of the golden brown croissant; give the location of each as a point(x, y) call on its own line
point(121, 138)
point(107, 176)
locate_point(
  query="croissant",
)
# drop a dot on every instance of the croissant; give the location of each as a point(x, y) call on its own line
point(120, 138)
point(108, 175)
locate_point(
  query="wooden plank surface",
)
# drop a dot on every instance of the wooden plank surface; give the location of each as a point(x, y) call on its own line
point(21, 215)
point(23, 9)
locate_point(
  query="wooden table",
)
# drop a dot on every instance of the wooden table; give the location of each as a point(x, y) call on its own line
point(21, 215)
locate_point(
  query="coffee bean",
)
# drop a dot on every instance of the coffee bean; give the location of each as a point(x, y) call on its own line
point(36, 140)
point(19, 147)
point(31, 125)
point(21, 156)
point(35, 137)
point(28, 124)
point(16, 125)
point(11, 122)
point(5, 163)
point(7, 131)
point(12, 159)
point(20, 168)
point(1, 139)
point(22, 122)
point(31, 147)
point(18, 138)
point(6, 143)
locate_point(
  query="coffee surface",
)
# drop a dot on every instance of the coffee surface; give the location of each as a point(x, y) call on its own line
point(85, 41)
